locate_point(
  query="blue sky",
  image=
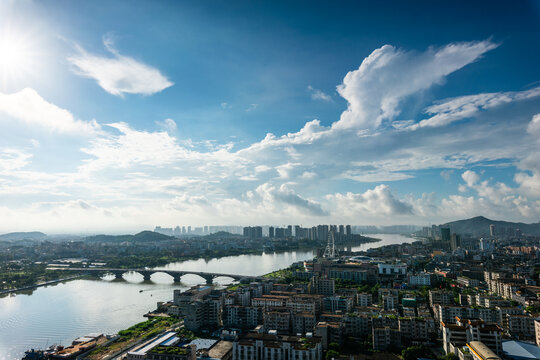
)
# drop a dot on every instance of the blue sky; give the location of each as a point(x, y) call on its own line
point(118, 116)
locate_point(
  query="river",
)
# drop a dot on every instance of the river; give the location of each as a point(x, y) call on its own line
point(60, 313)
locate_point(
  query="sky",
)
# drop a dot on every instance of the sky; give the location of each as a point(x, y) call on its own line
point(117, 116)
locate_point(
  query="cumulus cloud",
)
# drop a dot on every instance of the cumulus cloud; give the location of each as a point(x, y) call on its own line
point(470, 177)
point(534, 126)
point(132, 147)
point(388, 75)
point(119, 74)
point(28, 107)
point(378, 200)
point(529, 180)
point(284, 195)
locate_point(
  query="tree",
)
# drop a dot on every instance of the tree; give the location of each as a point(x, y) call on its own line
point(449, 356)
point(415, 352)
point(332, 354)
point(333, 346)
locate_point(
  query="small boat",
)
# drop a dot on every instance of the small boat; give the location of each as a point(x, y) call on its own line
point(140, 291)
point(33, 355)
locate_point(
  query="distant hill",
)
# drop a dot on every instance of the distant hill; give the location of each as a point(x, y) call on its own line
point(143, 236)
point(479, 225)
point(16, 236)
point(221, 235)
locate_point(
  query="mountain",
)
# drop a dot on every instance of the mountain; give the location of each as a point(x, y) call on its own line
point(16, 236)
point(479, 225)
point(143, 236)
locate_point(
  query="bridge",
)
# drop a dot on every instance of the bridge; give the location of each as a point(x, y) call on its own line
point(147, 273)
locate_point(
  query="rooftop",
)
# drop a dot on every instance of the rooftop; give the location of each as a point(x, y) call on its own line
point(157, 341)
point(483, 352)
point(521, 350)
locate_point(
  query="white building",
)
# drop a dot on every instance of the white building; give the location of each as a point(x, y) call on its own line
point(392, 269)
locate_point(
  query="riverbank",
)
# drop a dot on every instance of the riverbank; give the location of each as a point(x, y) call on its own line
point(29, 287)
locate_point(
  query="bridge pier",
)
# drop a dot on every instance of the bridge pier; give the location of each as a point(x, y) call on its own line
point(177, 278)
point(209, 280)
point(118, 274)
point(147, 276)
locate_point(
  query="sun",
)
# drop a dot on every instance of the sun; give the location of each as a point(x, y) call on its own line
point(12, 53)
point(16, 56)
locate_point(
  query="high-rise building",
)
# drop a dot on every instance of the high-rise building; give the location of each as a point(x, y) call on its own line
point(348, 230)
point(445, 235)
point(491, 230)
point(253, 232)
point(271, 232)
point(322, 232)
point(455, 242)
point(280, 233)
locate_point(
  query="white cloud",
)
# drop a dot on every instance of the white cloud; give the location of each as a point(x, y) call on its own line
point(317, 94)
point(169, 125)
point(132, 147)
point(379, 200)
point(13, 159)
point(451, 110)
point(529, 180)
point(445, 174)
point(534, 126)
point(119, 74)
point(252, 107)
point(284, 195)
point(28, 107)
point(470, 177)
point(388, 75)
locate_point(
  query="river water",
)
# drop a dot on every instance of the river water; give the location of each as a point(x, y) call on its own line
point(57, 314)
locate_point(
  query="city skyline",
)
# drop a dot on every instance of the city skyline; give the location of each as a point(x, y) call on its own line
point(121, 116)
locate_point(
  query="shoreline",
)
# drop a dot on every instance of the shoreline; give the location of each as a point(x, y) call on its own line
point(50, 282)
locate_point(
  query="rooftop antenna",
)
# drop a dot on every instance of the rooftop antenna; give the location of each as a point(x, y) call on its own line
point(330, 252)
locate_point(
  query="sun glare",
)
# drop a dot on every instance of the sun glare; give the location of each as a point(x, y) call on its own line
point(16, 57)
point(12, 53)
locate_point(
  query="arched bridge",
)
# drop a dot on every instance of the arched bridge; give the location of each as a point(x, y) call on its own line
point(147, 273)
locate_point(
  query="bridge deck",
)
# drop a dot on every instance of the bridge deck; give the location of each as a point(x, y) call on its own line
point(152, 271)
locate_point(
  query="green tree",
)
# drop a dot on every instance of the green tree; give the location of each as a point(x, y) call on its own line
point(415, 352)
point(333, 346)
point(332, 354)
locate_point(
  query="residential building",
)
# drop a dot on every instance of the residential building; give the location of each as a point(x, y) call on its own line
point(480, 351)
point(385, 338)
point(254, 346)
point(364, 299)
